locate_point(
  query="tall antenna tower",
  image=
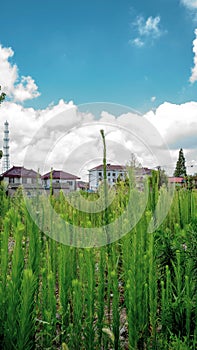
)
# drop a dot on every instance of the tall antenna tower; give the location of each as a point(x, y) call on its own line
point(6, 155)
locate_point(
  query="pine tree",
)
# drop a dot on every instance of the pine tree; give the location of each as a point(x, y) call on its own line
point(2, 96)
point(180, 169)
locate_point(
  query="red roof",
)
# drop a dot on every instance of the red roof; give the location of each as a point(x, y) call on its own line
point(147, 171)
point(110, 167)
point(59, 175)
point(176, 179)
point(20, 171)
point(82, 184)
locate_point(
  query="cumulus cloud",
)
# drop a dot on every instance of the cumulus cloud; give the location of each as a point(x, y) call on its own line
point(178, 126)
point(149, 26)
point(191, 4)
point(18, 88)
point(24, 123)
point(193, 76)
point(146, 29)
point(65, 136)
point(175, 123)
point(137, 42)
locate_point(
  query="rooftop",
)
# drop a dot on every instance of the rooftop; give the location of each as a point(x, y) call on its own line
point(59, 175)
point(110, 167)
point(176, 179)
point(114, 167)
point(20, 171)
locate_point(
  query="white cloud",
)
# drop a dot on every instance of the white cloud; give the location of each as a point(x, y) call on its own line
point(72, 140)
point(191, 4)
point(153, 98)
point(24, 123)
point(64, 137)
point(137, 42)
point(16, 87)
point(175, 122)
point(146, 29)
point(193, 76)
point(26, 89)
point(178, 126)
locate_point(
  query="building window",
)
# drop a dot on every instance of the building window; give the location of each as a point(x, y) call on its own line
point(100, 173)
point(24, 180)
point(109, 174)
point(69, 183)
point(11, 180)
point(114, 174)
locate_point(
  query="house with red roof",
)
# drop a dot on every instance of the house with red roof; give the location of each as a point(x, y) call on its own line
point(178, 181)
point(60, 180)
point(82, 185)
point(20, 176)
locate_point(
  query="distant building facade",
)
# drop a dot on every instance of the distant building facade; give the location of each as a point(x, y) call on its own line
point(82, 185)
point(178, 181)
point(59, 180)
point(96, 175)
point(19, 176)
point(115, 173)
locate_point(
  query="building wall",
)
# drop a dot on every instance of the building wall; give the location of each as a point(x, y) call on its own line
point(96, 176)
point(14, 180)
point(93, 180)
point(56, 191)
point(70, 183)
point(21, 180)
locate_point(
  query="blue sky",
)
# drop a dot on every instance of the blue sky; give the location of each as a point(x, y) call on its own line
point(84, 50)
point(140, 54)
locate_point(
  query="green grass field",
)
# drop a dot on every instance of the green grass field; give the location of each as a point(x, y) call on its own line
point(139, 292)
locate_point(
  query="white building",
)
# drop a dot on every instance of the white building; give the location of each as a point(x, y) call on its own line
point(114, 172)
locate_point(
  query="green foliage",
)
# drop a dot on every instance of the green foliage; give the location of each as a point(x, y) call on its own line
point(26, 330)
point(89, 294)
point(180, 169)
point(101, 291)
point(2, 96)
point(138, 293)
point(14, 289)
